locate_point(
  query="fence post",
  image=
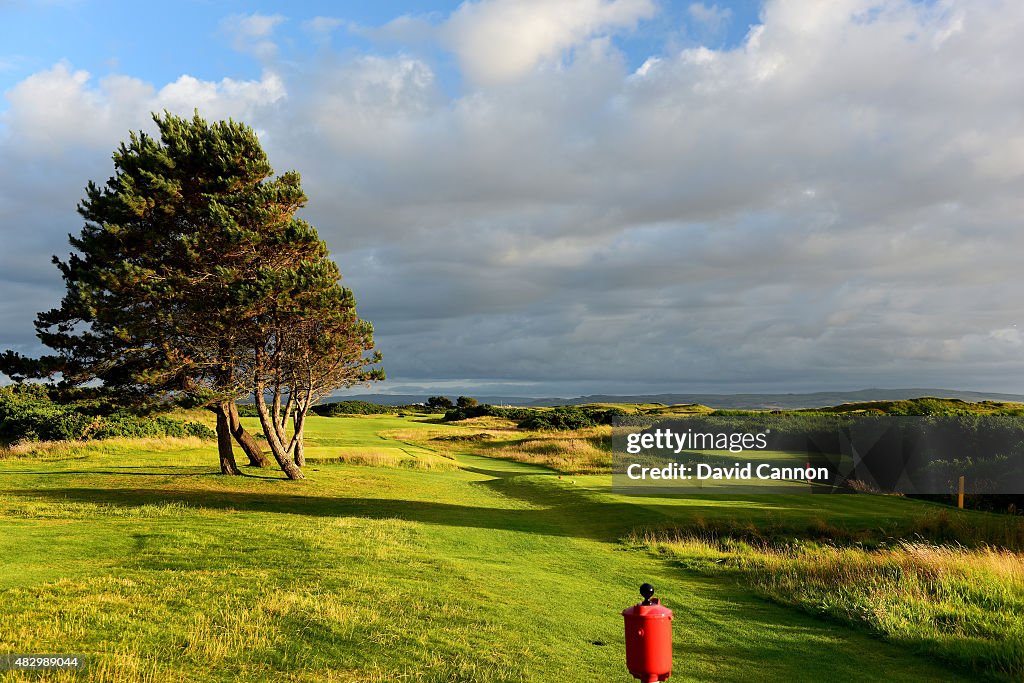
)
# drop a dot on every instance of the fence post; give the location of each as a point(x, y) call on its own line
point(960, 495)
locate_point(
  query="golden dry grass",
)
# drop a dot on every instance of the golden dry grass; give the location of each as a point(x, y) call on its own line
point(963, 604)
point(582, 451)
point(585, 451)
point(384, 457)
point(65, 449)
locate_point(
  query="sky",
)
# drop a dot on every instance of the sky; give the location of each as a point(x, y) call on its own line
point(565, 197)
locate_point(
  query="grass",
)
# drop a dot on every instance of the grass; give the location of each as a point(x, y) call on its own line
point(62, 450)
point(583, 451)
point(495, 570)
point(933, 523)
point(963, 606)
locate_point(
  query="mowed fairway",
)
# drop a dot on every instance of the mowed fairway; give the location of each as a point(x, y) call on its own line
point(427, 569)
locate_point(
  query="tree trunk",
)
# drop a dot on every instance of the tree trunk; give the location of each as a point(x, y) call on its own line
point(227, 456)
point(300, 446)
point(277, 448)
point(246, 440)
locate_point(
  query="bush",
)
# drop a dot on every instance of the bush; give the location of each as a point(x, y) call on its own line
point(487, 410)
point(198, 430)
point(440, 403)
point(247, 410)
point(562, 417)
point(352, 408)
point(570, 417)
point(29, 412)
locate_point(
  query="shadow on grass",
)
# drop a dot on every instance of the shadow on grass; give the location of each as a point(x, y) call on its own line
point(199, 471)
point(556, 520)
point(504, 474)
point(553, 509)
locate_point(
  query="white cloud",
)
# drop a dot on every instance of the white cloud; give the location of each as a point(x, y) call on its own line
point(251, 33)
point(62, 109)
point(712, 19)
point(501, 40)
point(58, 107)
point(322, 25)
point(405, 30)
point(375, 106)
point(320, 29)
point(223, 99)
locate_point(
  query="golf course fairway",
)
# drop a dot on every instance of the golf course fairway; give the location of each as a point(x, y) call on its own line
point(157, 568)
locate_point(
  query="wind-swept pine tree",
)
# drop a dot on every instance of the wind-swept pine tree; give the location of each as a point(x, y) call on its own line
point(190, 255)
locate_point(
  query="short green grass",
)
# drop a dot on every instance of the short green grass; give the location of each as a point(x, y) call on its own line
point(160, 569)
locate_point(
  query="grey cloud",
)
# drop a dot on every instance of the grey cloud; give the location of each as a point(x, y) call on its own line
point(833, 204)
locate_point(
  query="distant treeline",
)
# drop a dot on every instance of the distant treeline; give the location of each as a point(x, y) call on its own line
point(341, 408)
point(361, 408)
point(33, 412)
point(560, 418)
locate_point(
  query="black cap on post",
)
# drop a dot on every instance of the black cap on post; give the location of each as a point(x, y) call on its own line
point(646, 590)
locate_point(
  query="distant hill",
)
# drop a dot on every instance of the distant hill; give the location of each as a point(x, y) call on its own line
point(788, 401)
point(930, 406)
point(733, 401)
point(410, 399)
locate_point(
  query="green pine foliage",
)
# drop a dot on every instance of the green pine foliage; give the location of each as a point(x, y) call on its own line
point(193, 281)
point(191, 258)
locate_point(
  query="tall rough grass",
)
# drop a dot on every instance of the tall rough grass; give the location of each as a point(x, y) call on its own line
point(935, 525)
point(582, 451)
point(585, 451)
point(384, 457)
point(72, 449)
point(964, 605)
